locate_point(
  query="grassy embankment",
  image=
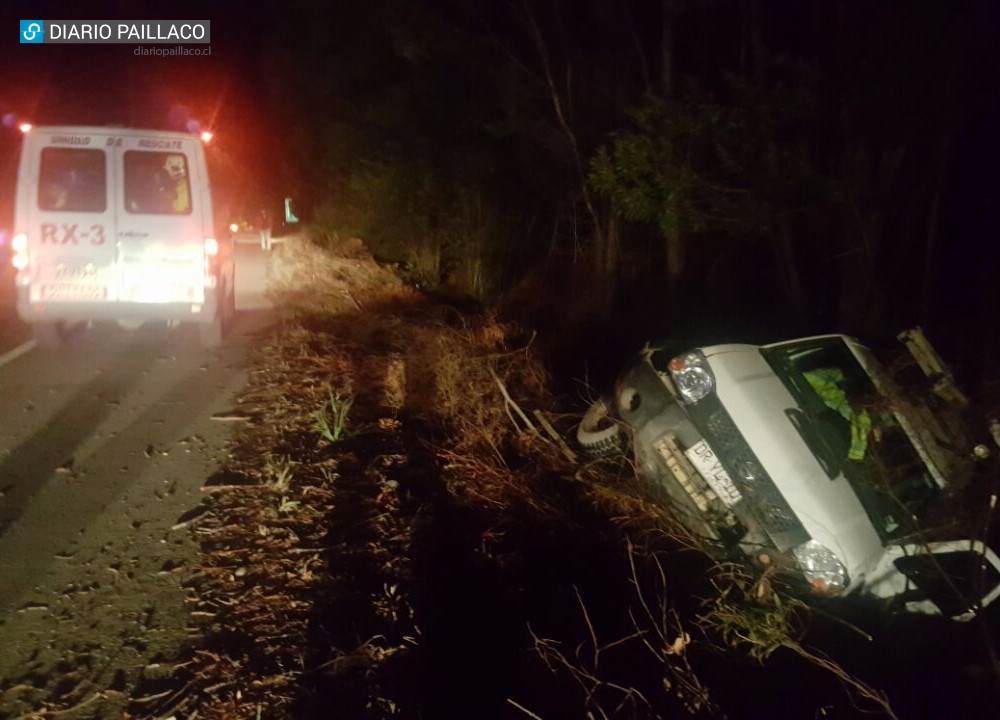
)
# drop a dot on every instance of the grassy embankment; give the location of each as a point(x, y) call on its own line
point(402, 532)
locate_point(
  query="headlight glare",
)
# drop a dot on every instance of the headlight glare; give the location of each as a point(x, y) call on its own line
point(692, 377)
point(822, 569)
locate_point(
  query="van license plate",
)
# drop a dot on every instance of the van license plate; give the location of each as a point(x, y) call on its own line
point(709, 467)
point(73, 291)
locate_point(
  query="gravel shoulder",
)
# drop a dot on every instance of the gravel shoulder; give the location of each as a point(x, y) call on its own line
point(104, 446)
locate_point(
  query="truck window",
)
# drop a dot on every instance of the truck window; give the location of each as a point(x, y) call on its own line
point(157, 183)
point(72, 180)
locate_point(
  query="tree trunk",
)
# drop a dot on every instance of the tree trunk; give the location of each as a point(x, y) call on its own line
point(564, 124)
point(930, 242)
point(788, 271)
point(753, 43)
point(667, 48)
point(675, 252)
point(608, 272)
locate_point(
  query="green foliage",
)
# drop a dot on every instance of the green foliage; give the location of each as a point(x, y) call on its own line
point(643, 174)
point(757, 615)
point(330, 421)
point(734, 165)
point(287, 506)
point(279, 472)
point(753, 616)
point(411, 129)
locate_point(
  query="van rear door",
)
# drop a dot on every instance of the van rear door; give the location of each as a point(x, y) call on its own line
point(160, 220)
point(73, 221)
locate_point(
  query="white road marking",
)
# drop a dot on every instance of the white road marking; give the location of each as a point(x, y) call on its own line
point(17, 352)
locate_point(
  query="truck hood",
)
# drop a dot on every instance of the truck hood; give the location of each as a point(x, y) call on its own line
point(829, 510)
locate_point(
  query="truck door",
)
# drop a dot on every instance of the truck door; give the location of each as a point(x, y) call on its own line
point(159, 231)
point(72, 236)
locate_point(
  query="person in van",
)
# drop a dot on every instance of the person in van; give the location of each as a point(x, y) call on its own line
point(161, 188)
point(175, 187)
point(54, 196)
point(70, 180)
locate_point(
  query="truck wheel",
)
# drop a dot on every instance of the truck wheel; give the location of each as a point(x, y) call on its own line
point(48, 334)
point(597, 434)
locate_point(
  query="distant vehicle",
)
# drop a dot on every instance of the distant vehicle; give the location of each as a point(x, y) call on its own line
point(117, 224)
point(802, 456)
point(257, 230)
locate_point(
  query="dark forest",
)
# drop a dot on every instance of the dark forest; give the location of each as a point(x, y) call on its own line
point(703, 170)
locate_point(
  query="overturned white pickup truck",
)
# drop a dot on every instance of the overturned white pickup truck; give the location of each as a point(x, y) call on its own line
point(803, 456)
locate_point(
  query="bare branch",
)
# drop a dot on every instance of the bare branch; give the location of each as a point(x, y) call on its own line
point(590, 626)
point(523, 709)
point(557, 106)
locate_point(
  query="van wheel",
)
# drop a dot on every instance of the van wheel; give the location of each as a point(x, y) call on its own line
point(230, 308)
point(48, 334)
point(210, 333)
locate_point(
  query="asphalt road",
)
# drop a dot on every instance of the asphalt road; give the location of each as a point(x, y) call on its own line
point(104, 444)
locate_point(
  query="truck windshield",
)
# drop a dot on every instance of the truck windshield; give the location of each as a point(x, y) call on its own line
point(852, 430)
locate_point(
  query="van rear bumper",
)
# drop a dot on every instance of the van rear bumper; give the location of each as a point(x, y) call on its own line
point(78, 311)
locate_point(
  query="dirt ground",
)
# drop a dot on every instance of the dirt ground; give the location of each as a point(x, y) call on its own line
point(102, 484)
point(96, 601)
point(105, 444)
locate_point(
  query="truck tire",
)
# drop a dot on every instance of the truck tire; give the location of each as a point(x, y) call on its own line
point(597, 434)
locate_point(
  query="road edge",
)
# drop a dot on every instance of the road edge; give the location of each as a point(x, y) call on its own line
point(17, 352)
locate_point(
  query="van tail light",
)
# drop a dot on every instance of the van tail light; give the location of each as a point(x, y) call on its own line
point(211, 262)
point(19, 244)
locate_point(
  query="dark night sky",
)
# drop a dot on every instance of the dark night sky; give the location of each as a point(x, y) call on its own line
point(109, 84)
point(957, 59)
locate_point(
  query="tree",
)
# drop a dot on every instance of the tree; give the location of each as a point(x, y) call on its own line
point(720, 169)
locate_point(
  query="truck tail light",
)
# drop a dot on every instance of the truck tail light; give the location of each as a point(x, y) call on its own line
point(19, 244)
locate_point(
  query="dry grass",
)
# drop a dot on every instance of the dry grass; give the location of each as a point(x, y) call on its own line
point(308, 575)
point(301, 514)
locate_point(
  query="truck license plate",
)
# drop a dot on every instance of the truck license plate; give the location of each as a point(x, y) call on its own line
point(709, 467)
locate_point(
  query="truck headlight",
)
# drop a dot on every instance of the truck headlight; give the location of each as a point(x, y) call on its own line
point(692, 377)
point(821, 568)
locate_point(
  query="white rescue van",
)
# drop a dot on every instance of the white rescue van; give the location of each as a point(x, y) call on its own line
point(116, 224)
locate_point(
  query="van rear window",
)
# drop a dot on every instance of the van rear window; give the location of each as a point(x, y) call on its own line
point(157, 183)
point(72, 180)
